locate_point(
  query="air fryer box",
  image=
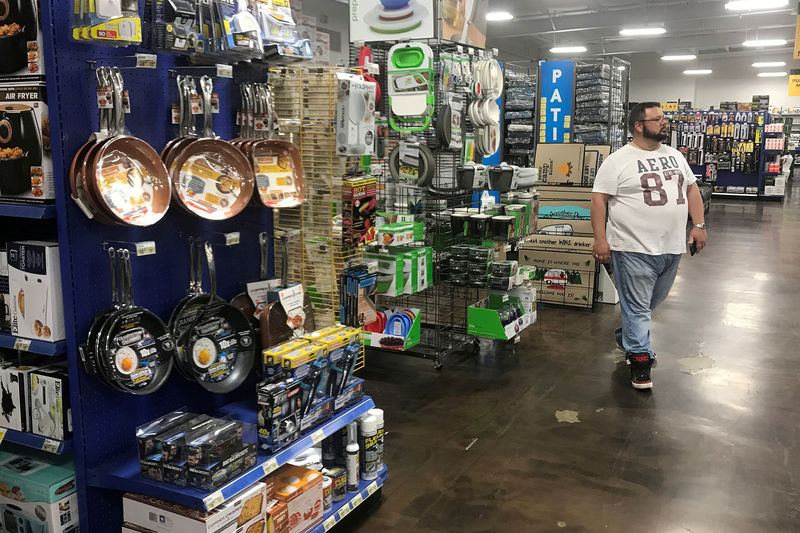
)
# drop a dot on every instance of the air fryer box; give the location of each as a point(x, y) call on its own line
point(15, 412)
point(35, 282)
point(21, 52)
point(51, 415)
point(26, 163)
point(5, 298)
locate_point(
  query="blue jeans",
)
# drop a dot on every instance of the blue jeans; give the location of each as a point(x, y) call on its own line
point(643, 281)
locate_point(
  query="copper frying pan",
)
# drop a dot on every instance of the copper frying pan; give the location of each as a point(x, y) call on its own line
point(213, 179)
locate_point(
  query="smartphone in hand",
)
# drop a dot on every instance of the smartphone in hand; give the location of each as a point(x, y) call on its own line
point(693, 248)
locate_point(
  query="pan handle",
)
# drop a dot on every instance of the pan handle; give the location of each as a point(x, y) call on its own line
point(128, 285)
point(192, 270)
point(112, 270)
point(264, 246)
point(207, 87)
point(212, 271)
point(119, 111)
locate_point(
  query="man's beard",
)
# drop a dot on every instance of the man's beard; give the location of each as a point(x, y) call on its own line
point(660, 137)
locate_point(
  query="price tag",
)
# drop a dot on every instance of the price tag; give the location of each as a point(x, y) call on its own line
point(371, 488)
point(214, 500)
point(318, 436)
point(145, 248)
point(356, 501)
point(329, 523)
point(2, 434)
point(146, 60)
point(344, 511)
point(50, 445)
point(270, 466)
point(232, 238)
point(224, 71)
point(516, 339)
point(22, 344)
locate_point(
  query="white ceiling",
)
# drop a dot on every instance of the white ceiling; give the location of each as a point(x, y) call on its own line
point(701, 27)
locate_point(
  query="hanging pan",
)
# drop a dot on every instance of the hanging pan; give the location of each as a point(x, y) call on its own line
point(125, 176)
point(133, 347)
point(242, 301)
point(187, 131)
point(213, 179)
point(279, 173)
point(274, 321)
point(216, 347)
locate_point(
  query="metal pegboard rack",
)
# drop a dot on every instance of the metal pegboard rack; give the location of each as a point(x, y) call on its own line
point(615, 130)
point(104, 420)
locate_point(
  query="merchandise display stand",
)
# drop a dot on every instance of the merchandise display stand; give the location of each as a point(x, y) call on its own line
point(601, 100)
point(519, 114)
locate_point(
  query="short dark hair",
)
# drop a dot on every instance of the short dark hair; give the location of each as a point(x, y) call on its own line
point(638, 112)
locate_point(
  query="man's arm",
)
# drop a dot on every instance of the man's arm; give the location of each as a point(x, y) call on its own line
point(601, 250)
point(697, 214)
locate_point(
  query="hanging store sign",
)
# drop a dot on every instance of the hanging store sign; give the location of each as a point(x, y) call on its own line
point(794, 82)
point(796, 54)
point(555, 107)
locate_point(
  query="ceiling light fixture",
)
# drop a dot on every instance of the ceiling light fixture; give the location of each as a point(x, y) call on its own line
point(758, 43)
point(686, 57)
point(765, 64)
point(633, 32)
point(755, 5)
point(698, 72)
point(771, 74)
point(568, 50)
point(499, 16)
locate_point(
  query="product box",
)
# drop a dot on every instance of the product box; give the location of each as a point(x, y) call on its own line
point(167, 517)
point(397, 339)
point(26, 163)
point(303, 355)
point(358, 210)
point(489, 317)
point(394, 272)
point(279, 413)
point(400, 233)
point(355, 115)
point(277, 517)
point(15, 383)
point(560, 163)
point(5, 298)
point(273, 356)
point(352, 392)
point(565, 269)
point(51, 415)
point(22, 56)
point(301, 490)
point(58, 517)
point(34, 276)
point(565, 227)
point(320, 411)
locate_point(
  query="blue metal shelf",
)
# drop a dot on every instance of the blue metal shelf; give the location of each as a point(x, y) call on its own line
point(341, 509)
point(125, 475)
point(40, 347)
point(27, 210)
point(37, 441)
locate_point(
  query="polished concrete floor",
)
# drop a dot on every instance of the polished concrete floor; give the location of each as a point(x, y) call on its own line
point(478, 446)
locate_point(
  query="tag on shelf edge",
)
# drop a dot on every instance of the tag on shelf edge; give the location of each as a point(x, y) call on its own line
point(344, 511)
point(318, 436)
point(50, 445)
point(356, 501)
point(372, 487)
point(145, 248)
point(2, 434)
point(22, 344)
point(214, 500)
point(270, 466)
point(232, 238)
point(329, 522)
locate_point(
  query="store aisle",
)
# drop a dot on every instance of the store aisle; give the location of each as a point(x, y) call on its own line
point(477, 447)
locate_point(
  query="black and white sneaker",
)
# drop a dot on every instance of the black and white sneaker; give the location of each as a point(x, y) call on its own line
point(640, 365)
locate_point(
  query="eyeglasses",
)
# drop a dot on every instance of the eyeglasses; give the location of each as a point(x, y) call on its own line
point(662, 119)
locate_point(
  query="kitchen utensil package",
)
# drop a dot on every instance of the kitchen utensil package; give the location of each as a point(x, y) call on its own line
point(113, 22)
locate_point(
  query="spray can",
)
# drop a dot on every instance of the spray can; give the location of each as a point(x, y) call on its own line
point(352, 460)
point(378, 414)
point(368, 443)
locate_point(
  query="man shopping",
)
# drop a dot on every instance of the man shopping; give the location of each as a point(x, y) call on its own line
point(646, 189)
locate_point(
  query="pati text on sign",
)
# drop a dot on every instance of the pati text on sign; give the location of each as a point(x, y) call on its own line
point(555, 113)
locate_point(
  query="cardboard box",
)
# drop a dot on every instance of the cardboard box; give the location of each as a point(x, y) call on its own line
point(167, 517)
point(565, 227)
point(277, 517)
point(301, 490)
point(603, 151)
point(565, 269)
point(256, 525)
point(15, 383)
point(60, 516)
point(34, 276)
point(5, 298)
point(560, 163)
point(23, 55)
point(51, 415)
point(547, 193)
point(565, 209)
point(28, 175)
point(591, 162)
point(358, 210)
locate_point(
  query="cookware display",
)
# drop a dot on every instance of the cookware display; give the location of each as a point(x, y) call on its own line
point(117, 178)
point(128, 347)
point(243, 301)
point(277, 164)
point(214, 340)
point(212, 179)
point(484, 112)
point(20, 147)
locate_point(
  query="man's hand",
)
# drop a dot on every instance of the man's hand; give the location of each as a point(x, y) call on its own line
point(698, 236)
point(602, 251)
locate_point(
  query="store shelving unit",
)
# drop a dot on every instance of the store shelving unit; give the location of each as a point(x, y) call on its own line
point(340, 510)
point(32, 346)
point(27, 210)
point(124, 474)
point(37, 442)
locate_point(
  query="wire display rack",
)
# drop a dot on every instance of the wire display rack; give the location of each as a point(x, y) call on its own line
point(305, 103)
point(602, 121)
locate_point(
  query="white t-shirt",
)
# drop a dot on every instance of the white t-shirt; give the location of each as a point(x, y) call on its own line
point(647, 208)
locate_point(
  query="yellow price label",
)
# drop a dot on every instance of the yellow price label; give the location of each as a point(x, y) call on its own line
point(50, 445)
point(357, 499)
point(213, 500)
point(371, 488)
point(2, 434)
point(329, 523)
point(22, 344)
point(318, 436)
point(270, 466)
point(344, 511)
